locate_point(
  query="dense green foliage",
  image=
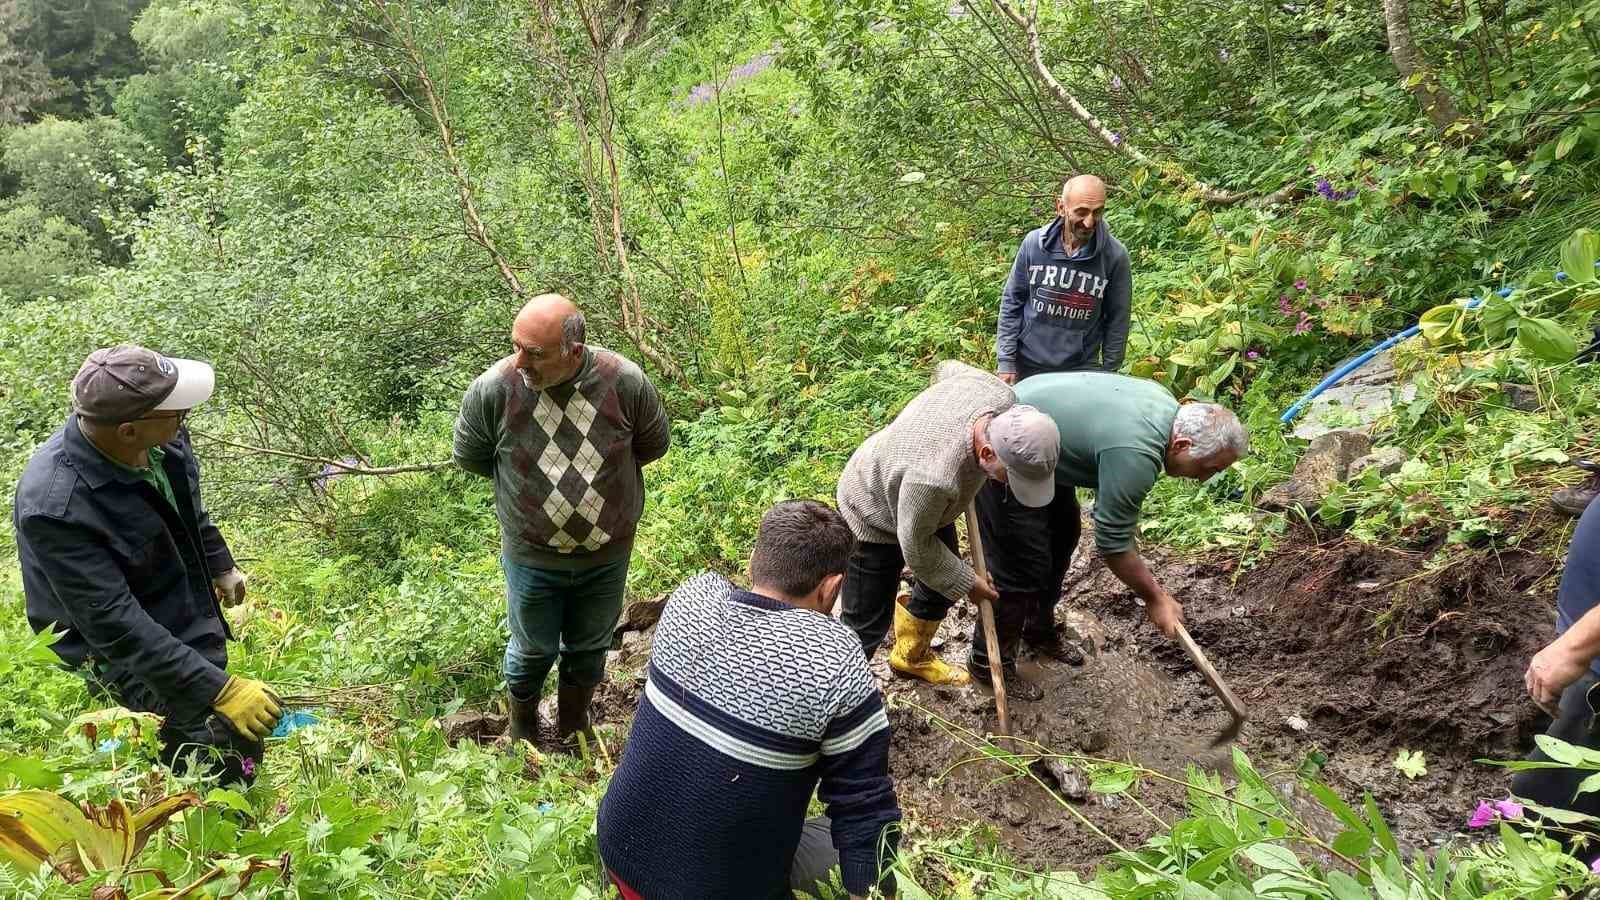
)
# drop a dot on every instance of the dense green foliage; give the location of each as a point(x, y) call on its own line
point(814, 202)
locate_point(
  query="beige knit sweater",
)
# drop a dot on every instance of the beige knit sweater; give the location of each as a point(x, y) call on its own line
point(916, 476)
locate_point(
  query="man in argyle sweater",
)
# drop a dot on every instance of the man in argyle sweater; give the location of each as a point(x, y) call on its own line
point(564, 429)
point(755, 699)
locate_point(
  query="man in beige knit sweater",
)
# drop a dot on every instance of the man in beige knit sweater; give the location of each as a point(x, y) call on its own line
point(903, 490)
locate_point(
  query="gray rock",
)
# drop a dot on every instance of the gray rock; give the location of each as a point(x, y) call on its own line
point(1387, 460)
point(1016, 812)
point(1325, 463)
point(468, 725)
point(1363, 396)
point(636, 644)
point(1069, 783)
point(1521, 397)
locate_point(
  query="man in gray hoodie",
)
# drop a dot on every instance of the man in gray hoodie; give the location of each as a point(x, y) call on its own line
point(1066, 305)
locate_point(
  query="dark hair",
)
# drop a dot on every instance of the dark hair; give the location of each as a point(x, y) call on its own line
point(800, 543)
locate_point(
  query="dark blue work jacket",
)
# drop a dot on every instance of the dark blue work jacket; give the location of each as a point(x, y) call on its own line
point(108, 560)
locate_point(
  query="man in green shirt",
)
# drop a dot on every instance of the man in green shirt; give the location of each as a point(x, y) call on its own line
point(1118, 434)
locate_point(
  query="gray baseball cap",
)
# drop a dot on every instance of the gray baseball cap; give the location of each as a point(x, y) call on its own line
point(1029, 444)
point(127, 382)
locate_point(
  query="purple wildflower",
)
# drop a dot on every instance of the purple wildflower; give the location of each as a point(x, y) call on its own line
point(1508, 808)
point(1304, 325)
point(1595, 866)
point(1252, 355)
point(1116, 139)
point(1481, 816)
point(248, 767)
point(704, 92)
point(1284, 306)
point(1325, 188)
point(1116, 82)
point(1300, 284)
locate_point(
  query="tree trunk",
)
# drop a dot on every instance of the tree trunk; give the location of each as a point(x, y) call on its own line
point(1418, 76)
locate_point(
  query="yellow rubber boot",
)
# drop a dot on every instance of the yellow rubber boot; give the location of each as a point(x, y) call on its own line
point(911, 656)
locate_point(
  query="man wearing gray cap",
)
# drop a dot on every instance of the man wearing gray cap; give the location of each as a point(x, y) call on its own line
point(1118, 435)
point(119, 554)
point(902, 492)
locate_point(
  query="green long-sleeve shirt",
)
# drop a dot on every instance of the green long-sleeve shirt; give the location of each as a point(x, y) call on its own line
point(1114, 434)
point(566, 460)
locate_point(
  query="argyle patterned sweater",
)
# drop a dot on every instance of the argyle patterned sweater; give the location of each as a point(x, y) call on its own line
point(750, 705)
point(566, 460)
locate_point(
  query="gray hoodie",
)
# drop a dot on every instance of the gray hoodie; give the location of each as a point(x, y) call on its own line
point(1061, 313)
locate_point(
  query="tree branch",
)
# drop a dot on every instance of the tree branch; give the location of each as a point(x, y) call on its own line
point(439, 112)
point(1029, 25)
point(338, 465)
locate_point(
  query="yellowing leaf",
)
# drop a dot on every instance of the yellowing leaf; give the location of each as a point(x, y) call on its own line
point(38, 827)
point(1411, 763)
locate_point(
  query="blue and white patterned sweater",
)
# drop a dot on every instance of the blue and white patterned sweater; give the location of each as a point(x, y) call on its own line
point(751, 704)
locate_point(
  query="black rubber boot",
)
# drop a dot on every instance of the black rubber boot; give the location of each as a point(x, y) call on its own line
point(572, 715)
point(1010, 615)
point(524, 717)
point(1049, 644)
point(1017, 688)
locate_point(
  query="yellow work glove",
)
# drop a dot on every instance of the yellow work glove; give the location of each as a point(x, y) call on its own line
point(249, 706)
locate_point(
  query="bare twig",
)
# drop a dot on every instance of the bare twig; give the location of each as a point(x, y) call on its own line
point(339, 466)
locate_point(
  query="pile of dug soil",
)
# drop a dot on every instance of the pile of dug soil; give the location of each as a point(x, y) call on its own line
point(1345, 648)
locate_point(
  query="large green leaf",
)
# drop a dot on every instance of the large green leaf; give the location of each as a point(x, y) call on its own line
point(1343, 887)
point(1578, 254)
point(1547, 340)
point(1441, 326)
point(1498, 314)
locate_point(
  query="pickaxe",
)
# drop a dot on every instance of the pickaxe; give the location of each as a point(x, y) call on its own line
point(1235, 708)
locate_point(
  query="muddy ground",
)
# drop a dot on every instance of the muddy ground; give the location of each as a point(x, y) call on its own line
point(1344, 648)
point(1353, 650)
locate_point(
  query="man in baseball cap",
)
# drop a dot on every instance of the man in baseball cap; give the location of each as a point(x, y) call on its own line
point(119, 554)
point(902, 492)
point(1118, 435)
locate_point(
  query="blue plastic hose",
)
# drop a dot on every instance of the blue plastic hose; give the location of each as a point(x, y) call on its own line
point(1340, 373)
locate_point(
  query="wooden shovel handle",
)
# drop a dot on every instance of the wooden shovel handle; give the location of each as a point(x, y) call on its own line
point(1235, 708)
point(986, 614)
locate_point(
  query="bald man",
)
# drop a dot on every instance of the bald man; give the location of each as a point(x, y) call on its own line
point(1067, 303)
point(563, 428)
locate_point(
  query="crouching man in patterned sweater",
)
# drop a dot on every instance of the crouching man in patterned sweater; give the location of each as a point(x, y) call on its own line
point(755, 699)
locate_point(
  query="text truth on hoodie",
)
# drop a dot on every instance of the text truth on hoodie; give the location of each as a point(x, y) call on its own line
point(1061, 313)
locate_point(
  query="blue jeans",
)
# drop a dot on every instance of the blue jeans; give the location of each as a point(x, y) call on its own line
point(565, 614)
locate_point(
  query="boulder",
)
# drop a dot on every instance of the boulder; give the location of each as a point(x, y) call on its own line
point(1387, 460)
point(636, 645)
point(1325, 463)
point(1357, 402)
